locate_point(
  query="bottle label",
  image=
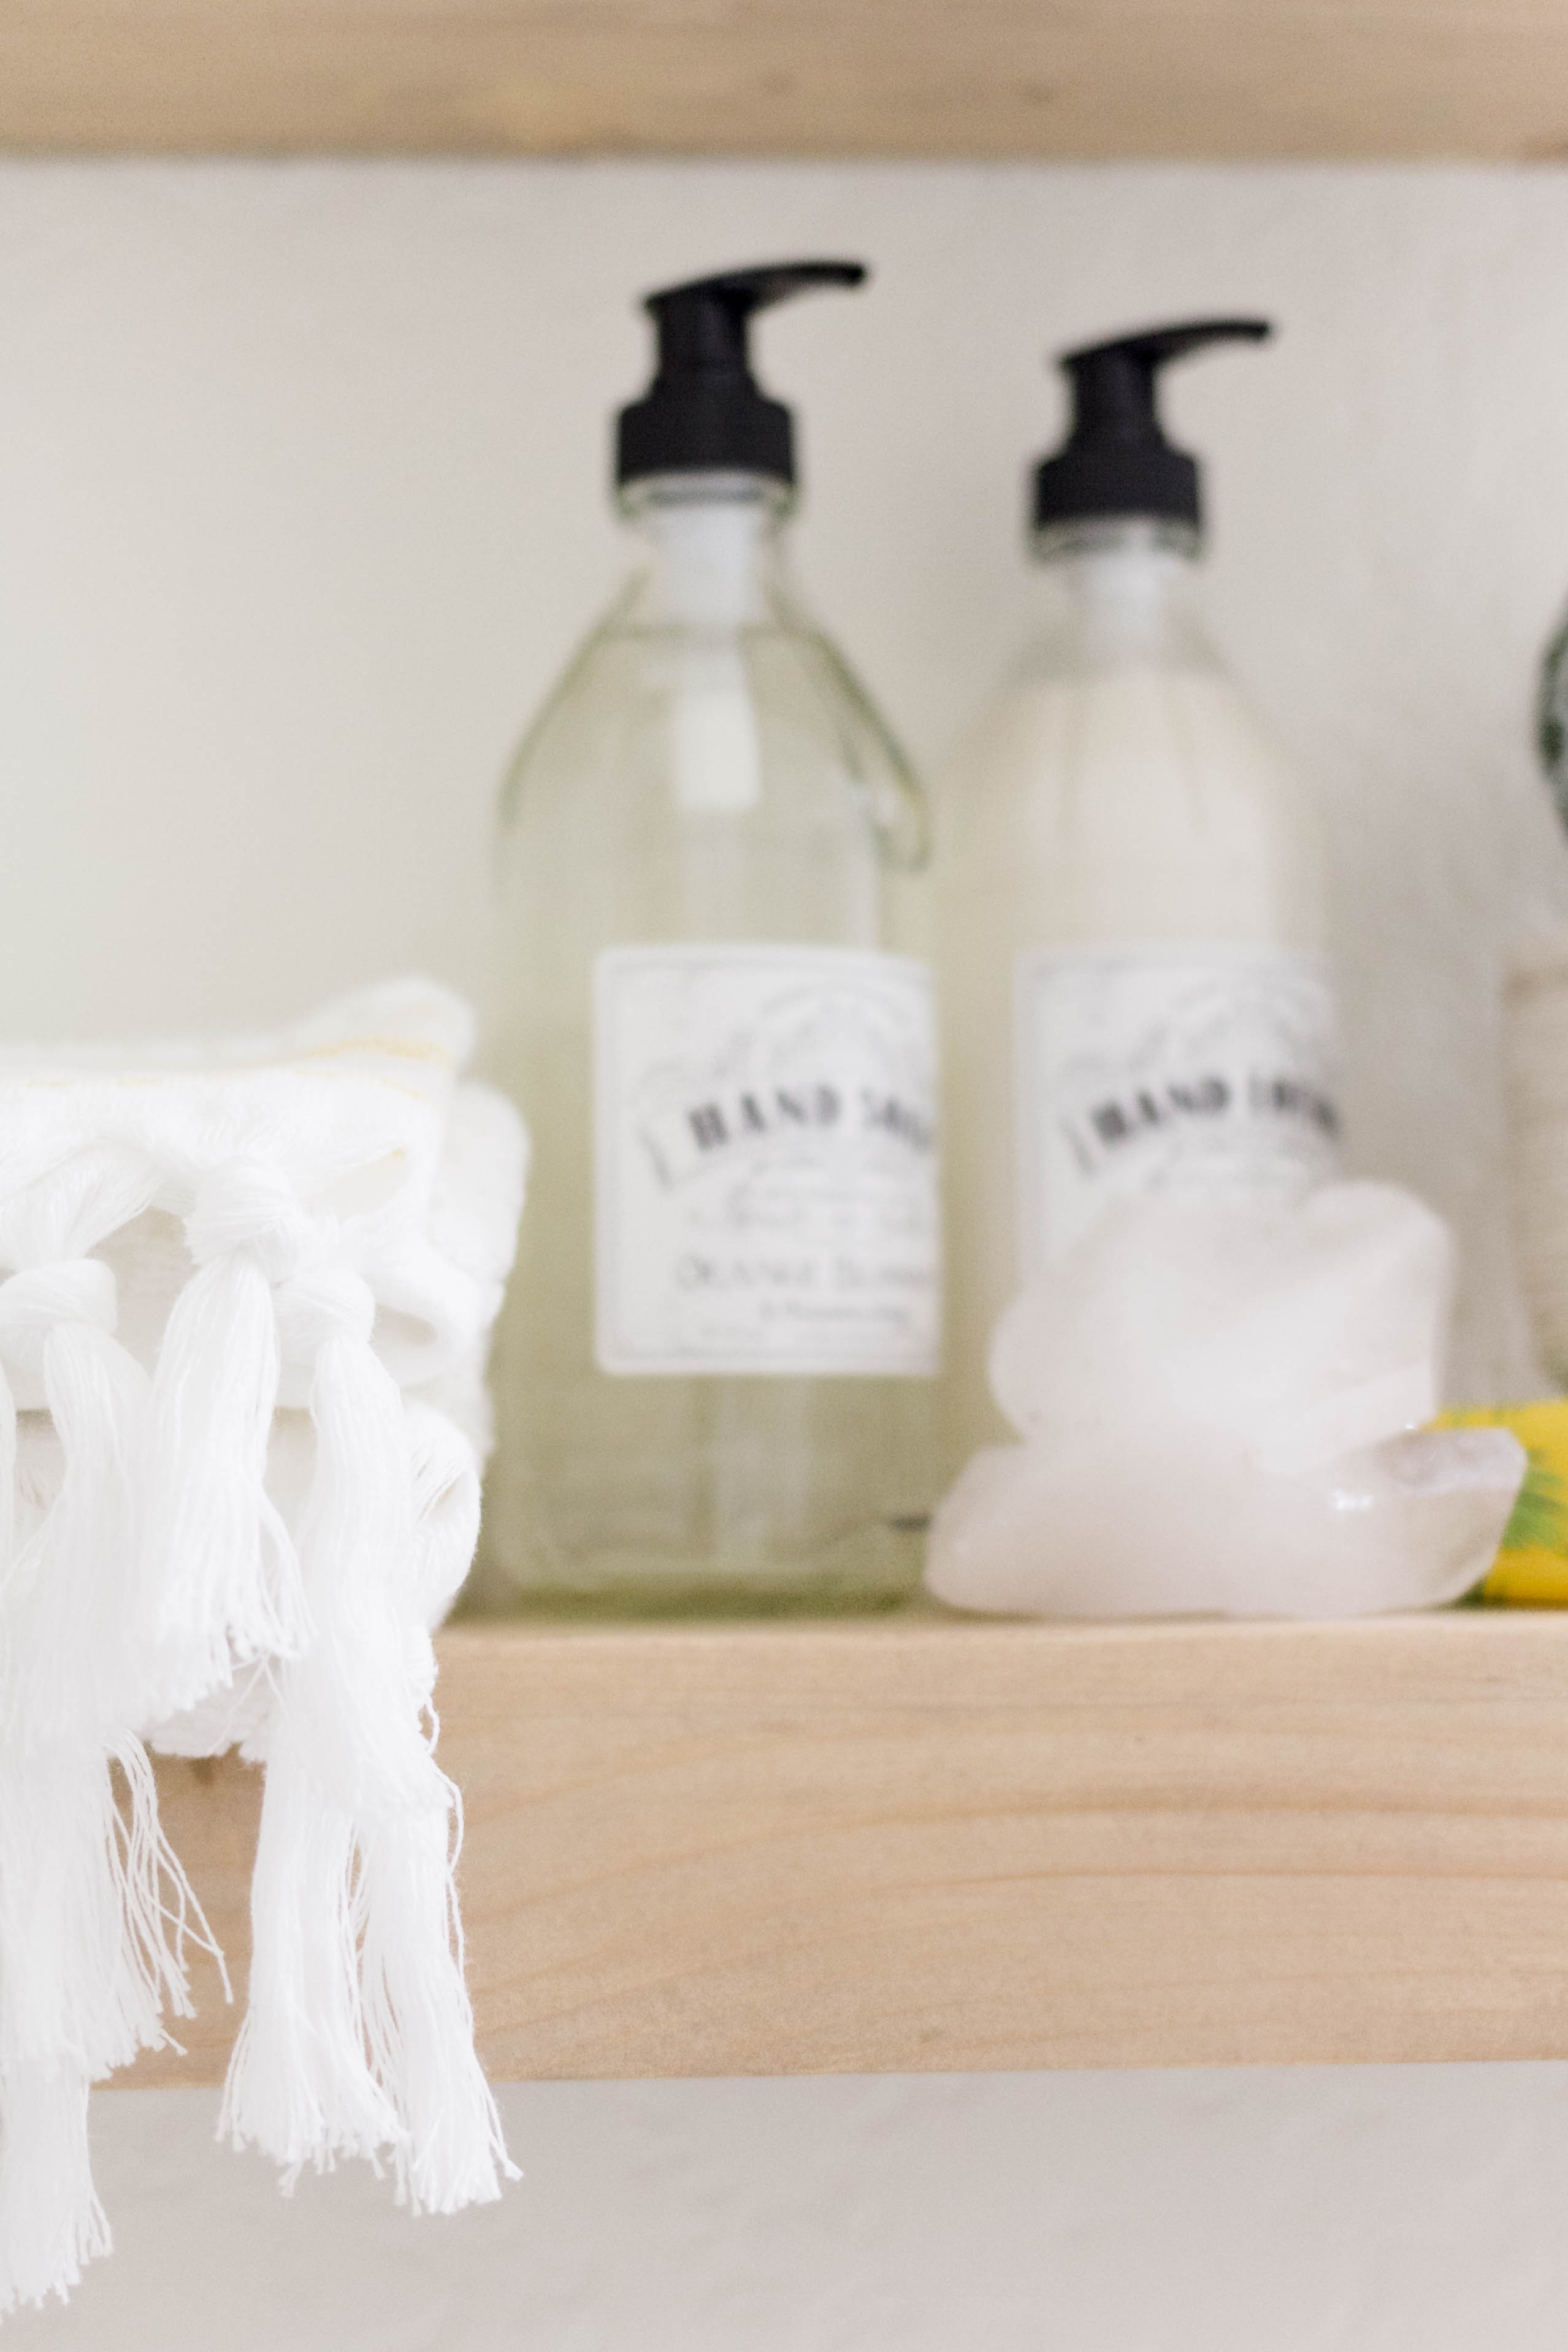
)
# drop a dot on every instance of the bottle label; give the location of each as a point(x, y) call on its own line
point(765, 1163)
point(1206, 1072)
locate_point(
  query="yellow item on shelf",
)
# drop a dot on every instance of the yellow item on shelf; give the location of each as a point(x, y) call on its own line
point(1531, 1570)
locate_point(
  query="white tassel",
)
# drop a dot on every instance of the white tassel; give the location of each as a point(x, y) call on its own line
point(85, 1959)
point(452, 2152)
point(445, 1470)
point(95, 1915)
point(349, 1747)
point(218, 1552)
point(299, 2087)
point(51, 2222)
point(76, 1651)
point(219, 1558)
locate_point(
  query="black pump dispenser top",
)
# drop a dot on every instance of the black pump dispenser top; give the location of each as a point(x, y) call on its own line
point(1115, 460)
point(705, 412)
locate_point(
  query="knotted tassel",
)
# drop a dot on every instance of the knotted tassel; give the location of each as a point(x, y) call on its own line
point(418, 2017)
point(445, 1470)
point(95, 1915)
point(86, 1957)
point(299, 2087)
point(451, 2152)
point(455, 2149)
point(51, 2222)
point(349, 1740)
point(219, 1554)
point(69, 1601)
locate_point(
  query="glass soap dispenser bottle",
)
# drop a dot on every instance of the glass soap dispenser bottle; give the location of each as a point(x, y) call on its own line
point(714, 1374)
point(1130, 896)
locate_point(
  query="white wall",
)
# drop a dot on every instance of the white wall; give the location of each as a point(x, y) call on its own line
point(300, 506)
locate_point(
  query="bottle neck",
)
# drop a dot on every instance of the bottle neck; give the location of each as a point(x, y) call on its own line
point(1121, 591)
point(715, 544)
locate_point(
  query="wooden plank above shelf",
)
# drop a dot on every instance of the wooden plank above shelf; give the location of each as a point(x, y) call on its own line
point(1304, 79)
point(914, 1844)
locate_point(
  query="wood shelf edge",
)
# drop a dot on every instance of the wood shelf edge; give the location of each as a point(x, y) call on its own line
point(1204, 80)
point(914, 1843)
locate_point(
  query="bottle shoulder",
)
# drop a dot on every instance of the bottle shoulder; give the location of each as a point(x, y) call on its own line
point(1134, 803)
point(1130, 722)
point(669, 723)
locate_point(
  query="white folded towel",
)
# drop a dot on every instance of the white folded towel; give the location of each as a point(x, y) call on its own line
point(246, 1302)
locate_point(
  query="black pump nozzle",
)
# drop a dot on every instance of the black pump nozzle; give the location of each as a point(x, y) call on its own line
point(1116, 460)
point(703, 412)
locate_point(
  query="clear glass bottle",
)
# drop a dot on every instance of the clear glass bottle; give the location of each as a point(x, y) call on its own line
point(713, 1374)
point(1131, 898)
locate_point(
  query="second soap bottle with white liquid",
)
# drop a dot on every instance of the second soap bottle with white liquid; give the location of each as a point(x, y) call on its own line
point(1130, 895)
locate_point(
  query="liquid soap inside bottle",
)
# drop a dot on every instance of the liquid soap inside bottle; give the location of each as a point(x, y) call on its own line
point(1131, 916)
point(713, 1372)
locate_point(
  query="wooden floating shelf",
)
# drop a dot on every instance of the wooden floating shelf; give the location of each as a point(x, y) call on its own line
point(917, 1845)
point(1050, 78)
